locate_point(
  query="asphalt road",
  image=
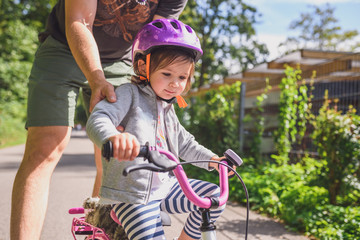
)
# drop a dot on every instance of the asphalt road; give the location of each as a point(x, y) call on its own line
point(73, 180)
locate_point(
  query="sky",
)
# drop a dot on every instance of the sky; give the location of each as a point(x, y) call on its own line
point(278, 14)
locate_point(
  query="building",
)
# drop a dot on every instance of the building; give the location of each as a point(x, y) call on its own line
point(338, 72)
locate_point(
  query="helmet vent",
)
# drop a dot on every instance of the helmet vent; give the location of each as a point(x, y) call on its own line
point(158, 24)
point(189, 29)
point(174, 24)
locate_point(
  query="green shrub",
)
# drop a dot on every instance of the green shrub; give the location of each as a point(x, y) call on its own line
point(334, 222)
point(213, 118)
point(268, 184)
point(337, 137)
point(298, 201)
point(17, 49)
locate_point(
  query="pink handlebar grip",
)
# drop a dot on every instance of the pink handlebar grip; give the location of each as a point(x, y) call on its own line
point(79, 210)
point(189, 192)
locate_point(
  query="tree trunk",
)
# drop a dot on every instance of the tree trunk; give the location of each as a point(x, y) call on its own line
point(334, 181)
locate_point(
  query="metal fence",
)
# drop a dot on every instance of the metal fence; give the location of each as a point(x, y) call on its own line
point(340, 77)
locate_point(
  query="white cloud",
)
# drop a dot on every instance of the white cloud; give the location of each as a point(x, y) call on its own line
point(272, 42)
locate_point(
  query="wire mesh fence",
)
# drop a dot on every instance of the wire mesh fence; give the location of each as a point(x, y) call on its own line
point(339, 76)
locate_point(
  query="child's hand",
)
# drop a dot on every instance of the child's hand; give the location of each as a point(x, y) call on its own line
point(216, 166)
point(125, 146)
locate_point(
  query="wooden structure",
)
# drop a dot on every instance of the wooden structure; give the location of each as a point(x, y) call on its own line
point(338, 72)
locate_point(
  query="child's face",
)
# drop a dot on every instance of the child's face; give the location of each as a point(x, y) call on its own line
point(171, 81)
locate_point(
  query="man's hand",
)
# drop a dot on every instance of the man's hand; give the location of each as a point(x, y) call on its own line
point(99, 91)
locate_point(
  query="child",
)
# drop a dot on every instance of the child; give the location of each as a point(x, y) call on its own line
point(164, 55)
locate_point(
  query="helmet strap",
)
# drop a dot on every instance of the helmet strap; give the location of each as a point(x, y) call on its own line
point(181, 101)
point(147, 78)
point(148, 66)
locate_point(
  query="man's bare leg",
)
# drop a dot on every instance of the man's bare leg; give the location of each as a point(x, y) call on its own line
point(44, 147)
point(97, 184)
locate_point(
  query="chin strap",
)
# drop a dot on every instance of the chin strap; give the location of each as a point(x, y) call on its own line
point(180, 100)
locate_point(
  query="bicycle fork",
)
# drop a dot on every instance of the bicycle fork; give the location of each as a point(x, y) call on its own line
point(207, 227)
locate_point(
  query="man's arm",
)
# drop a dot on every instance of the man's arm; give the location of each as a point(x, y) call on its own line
point(79, 19)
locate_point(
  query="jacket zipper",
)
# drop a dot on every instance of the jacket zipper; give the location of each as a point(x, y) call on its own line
point(151, 175)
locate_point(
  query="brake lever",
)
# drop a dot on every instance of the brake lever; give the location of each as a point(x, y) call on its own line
point(233, 158)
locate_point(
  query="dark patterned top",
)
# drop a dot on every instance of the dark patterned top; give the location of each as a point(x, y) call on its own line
point(116, 23)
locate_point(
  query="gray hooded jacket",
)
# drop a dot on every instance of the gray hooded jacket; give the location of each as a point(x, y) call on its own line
point(136, 110)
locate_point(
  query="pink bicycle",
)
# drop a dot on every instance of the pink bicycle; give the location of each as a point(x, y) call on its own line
point(158, 160)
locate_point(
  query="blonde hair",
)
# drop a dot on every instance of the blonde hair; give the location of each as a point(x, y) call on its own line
point(164, 56)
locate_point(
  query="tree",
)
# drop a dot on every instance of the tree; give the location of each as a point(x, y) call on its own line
point(17, 48)
point(318, 29)
point(227, 35)
point(20, 22)
point(29, 12)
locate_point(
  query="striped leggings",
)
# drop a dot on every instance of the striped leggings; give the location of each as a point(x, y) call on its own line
point(142, 222)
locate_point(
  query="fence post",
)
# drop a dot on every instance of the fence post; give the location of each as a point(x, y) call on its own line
point(242, 115)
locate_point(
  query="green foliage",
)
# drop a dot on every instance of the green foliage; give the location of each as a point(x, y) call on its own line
point(213, 118)
point(298, 202)
point(267, 185)
point(14, 69)
point(293, 112)
point(287, 192)
point(298, 194)
point(31, 13)
point(80, 112)
point(333, 222)
point(337, 137)
point(18, 44)
point(286, 132)
point(16, 56)
point(232, 20)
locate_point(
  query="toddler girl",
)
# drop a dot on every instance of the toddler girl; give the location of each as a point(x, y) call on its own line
point(164, 55)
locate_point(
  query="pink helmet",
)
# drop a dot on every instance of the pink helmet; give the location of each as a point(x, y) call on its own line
point(166, 32)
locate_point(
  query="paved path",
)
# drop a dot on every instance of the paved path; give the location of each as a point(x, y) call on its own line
point(72, 183)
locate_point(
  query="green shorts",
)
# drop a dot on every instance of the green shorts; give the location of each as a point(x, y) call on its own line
point(55, 81)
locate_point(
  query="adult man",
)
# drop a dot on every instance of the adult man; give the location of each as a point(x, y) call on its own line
point(87, 44)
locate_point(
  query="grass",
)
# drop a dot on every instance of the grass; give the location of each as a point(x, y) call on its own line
point(12, 132)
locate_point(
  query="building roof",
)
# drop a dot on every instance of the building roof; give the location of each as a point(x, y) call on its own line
point(329, 66)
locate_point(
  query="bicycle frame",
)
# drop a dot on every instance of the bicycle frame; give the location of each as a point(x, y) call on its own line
point(207, 228)
point(80, 227)
point(189, 192)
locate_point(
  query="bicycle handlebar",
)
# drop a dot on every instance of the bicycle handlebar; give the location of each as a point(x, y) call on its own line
point(159, 163)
